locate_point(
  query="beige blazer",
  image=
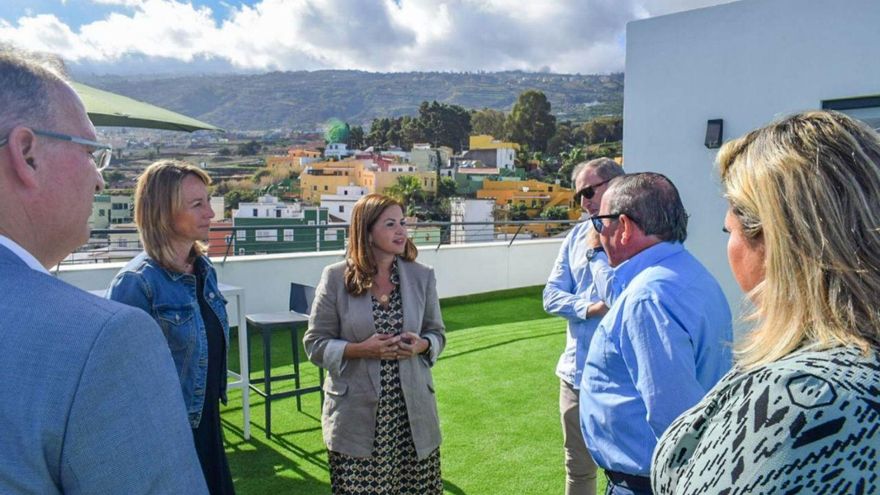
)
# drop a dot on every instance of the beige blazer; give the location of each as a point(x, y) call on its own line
point(352, 385)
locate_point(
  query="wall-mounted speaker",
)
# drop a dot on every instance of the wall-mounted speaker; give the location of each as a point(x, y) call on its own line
point(714, 133)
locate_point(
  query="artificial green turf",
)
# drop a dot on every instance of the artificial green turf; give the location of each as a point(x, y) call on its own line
point(497, 395)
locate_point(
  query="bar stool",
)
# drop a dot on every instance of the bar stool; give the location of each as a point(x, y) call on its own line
point(266, 323)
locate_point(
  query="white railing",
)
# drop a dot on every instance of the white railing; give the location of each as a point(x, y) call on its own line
point(461, 270)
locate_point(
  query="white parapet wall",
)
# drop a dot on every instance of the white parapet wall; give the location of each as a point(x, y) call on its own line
point(461, 270)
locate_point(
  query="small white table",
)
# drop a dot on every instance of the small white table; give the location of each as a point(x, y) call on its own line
point(242, 382)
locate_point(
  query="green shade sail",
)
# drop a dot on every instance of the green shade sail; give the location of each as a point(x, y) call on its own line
point(113, 110)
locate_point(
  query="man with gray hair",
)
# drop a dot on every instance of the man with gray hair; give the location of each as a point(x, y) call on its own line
point(572, 293)
point(90, 401)
point(665, 340)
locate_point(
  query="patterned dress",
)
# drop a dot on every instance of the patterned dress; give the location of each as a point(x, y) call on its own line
point(809, 423)
point(393, 468)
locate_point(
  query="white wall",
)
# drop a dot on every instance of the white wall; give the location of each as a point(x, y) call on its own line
point(745, 62)
point(461, 270)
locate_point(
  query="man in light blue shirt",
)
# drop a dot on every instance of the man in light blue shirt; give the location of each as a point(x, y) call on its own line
point(665, 340)
point(572, 294)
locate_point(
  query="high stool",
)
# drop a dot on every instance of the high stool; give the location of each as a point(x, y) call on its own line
point(292, 321)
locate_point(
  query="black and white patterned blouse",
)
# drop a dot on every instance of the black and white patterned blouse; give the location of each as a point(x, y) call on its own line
point(809, 423)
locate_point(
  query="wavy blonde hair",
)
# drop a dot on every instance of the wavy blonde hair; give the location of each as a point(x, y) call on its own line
point(156, 201)
point(808, 187)
point(360, 262)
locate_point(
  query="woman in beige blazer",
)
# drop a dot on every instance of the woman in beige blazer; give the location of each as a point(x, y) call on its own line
point(376, 328)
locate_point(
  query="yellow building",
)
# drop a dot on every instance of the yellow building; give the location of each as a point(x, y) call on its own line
point(296, 159)
point(534, 194)
point(384, 180)
point(324, 177)
point(487, 142)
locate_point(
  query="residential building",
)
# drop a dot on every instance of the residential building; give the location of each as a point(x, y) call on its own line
point(424, 157)
point(339, 205)
point(743, 63)
point(535, 195)
point(296, 159)
point(492, 152)
point(471, 210)
point(325, 177)
point(270, 226)
point(108, 210)
point(337, 151)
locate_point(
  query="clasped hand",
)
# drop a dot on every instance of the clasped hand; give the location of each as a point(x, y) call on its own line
point(387, 346)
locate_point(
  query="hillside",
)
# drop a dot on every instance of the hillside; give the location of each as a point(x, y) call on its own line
point(305, 100)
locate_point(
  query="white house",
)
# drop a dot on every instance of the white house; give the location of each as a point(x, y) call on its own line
point(471, 210)
point(337, 150)
point(744, 63)
point(339, 205)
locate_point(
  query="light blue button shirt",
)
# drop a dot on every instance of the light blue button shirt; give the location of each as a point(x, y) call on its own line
point(663, 344)
point(569, 292)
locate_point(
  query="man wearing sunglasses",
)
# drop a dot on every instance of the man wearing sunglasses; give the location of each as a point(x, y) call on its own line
point(572, 293)
point(665, 340)
point(90, 400)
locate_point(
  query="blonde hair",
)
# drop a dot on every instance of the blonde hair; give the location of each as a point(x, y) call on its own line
point(156, 202)
point(360, 262)
point(808, 187)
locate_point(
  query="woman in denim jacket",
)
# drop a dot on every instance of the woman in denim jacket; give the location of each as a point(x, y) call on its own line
point(175, 282)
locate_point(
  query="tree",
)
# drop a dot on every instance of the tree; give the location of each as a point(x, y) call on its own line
point(236, 196)
point(530, 122)
point(519, 211)
point(569, 159)
point(447, 187)
point(444, 125)
point(224, 151)
point(555, 213)
point(489, 121)
point(248, 149)
point(356, 138)
point(407, 190)
point(604, 130)
point(378, 129)
point(562, 140)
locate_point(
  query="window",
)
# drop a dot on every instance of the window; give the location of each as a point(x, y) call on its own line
point(326, 188)
point(241, 251)
point(314, 188)
point(256, 213)
point(277, 213)
point(311, 222)
point(241, 235)
point(102, 212)
point(288, 235)
point(866, 109)
point(331, 235)
point(341, 208)
point(267, 235)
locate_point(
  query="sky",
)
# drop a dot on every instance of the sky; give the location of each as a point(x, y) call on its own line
point(174, 36)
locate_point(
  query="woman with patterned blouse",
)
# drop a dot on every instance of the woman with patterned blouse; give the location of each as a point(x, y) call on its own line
point(800, 411)
point(376, 327)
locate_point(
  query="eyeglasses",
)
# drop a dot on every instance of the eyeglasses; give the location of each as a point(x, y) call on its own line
point(101, 153)
point(589, 191)
point(597, 220)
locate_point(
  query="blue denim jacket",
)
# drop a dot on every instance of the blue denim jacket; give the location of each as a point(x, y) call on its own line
point(170, 298)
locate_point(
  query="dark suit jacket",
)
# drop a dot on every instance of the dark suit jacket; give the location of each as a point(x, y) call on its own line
point(352, 386)
point(89, 399)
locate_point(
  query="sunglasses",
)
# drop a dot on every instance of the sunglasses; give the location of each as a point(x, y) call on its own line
point(597, 220)
point(589, 191)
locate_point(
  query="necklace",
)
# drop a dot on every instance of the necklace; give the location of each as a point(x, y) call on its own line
point(384, 299)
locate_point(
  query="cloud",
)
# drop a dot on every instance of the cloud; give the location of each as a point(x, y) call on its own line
point(585, 36)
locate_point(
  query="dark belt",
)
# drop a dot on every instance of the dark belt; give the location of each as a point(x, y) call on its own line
point(639, 483)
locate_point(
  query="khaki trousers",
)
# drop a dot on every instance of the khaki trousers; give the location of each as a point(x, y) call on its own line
point(580, 470)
